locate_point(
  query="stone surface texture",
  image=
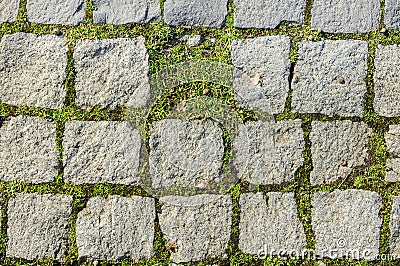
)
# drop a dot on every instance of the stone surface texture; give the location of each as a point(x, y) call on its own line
point(342, 16)
point(126, 11)
point(387, 80)
point(261, 74)
point(8, 10)
point(112, 73)
point(116, 228)
point(329, 78)
point(38, 226)
point(392, 138)
point(270, 222)
point(185, 153)
point(347, 221)
point(196, 227)
point(101, 152)
point(207, 13)
point(394, 226)
point(32, 70)
point(267, 14)
point(338, 149)
point(268, 152)
point(392, 14)
point(28, 150)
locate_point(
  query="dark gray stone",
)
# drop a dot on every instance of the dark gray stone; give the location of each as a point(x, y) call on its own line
point(392, 14)
point(9, 10)
point(392, 139)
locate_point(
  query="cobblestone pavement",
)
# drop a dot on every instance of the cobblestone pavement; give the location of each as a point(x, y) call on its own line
point(313, 168)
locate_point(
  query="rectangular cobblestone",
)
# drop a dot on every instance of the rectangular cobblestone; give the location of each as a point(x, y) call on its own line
point(392, 14)
point(8, 10)
point(394, 226)
point(392, 138)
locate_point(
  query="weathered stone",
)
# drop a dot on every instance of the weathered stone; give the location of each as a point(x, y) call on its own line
point(207, 13)
point(32, 70)
point(338, 149)
point(112, 73)
point(394, 226)
point(392, 139)
point(267, 14)
point(262, 69)
point(196, 227)
point(193, 41)
point(185, 153)
point(99, 152)
point(38, 226)
point(392, 14)
point(9, 10)
point(348, 223)
point(270, 223)
point(386, 80)
point(329, 78)
point(126, 11)
point(268, 152)
point(116, 228)
point(346, 16)
point(28, 150)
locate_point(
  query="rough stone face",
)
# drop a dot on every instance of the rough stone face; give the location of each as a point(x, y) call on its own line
point(346, 16)
point(112, 73)
point(267, 14)
point(207, 13)
point(268, 152)
point(116, 228)
point(185, 153)
point(338, 148)
point(386, 80)
point(196, 227)
point(394, 226)
point(32, 70)
point(392, 14)
point(38, 226)
point(329, 78)
point(99, 152)
point(261, 74)
point(392, 139)
point(126, 11)
point(28, 150)
point(347, 221)
point(270, 222)
point(9, 10)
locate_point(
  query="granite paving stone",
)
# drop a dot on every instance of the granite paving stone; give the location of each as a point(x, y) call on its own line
point(392, 139)
point(9, 10)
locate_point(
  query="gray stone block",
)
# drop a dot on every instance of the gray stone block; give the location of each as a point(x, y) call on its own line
point(394, 226)
point(346, 224)
point(270, 223)
point(126, 11)
point(392, 14)
point(116, 228)
point(392, 139)
point(338, 149)
point(262, 69)
point(344, 16)
point(38, 226)
point(185, 153)
point(267, 14)
point(207, 13)
point(9, 10)
point(67, 12)
point(28, 150)
point(386, 80)
point(268, 152)
point(112, 73)
point(329, 78)
point(196, 227)
point(32, 70)
point(101, 152)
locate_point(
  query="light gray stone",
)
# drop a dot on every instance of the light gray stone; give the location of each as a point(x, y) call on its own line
point(338, 149)
point(329, 78)
point(386, 80)
point(270, 223)
point(392, 139)
point(116, 228)
point(112, 73)
point(392, 14)
point(268, 152)
point(394, 226)
point(262, 69)
point(207, 13)
point(101, 152)
point(185, 153)
point(267, 14)
point(8, 10)
point(126, 11)
point(193, 41)
point(196, 227)
point(347, 221)
point(344, 16)
point(32, 70)
point(28, 150)
point(38, 226)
